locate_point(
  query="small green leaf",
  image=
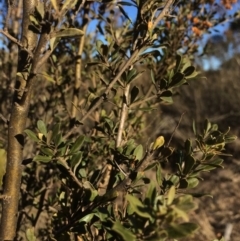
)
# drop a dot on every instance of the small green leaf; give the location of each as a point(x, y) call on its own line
point(42, 127)
point(68, 32)
point(174, 179)
point(193, 75)
point(138, 152)
point(30, 234)
point(194, 127)
point(151, 193)
point(58, 139)
point(77, 145)
point(47, 151)
point(49, 137)
point(189, 162)
point(125, 233)
point(87, 218)
point(177, 80)
point(171, 195)
point(48, 77)
point(124, 13)
point(56, 129)
point(152, 77)
point(31, 135)
point(82, 173)
point(33, 20)
point(185, 203)
point(159, 175)
point(76, 159)
point(43, 159)
point(192, 182)
point(207, 126)
point(189, 71)
point(178, 62)
point(188, 147)
point(54, 42)
point(180, 213)
point(159, 142)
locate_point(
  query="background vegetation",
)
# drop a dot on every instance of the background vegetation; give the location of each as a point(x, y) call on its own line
point(110, 108)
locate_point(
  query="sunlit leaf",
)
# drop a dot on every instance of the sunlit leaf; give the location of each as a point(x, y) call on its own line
point(68, 32)
point(31, 135)
point(43, 159)
point(159, 142)
point(171, 195)
point(42, 127)
point(30, 234)
point(138, 152)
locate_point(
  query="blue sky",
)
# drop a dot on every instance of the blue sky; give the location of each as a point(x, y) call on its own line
point(208, 63)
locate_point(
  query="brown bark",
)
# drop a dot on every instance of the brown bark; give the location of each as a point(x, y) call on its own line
point(19, 113)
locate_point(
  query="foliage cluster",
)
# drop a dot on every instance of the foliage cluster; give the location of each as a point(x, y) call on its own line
point(88, 172)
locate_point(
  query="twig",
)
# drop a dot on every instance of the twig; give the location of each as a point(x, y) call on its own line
point(163, 13)
point(79, 8)
point(140, 102)
point(70, 172)
point(123, 115)
point(228, 232)
point(9, 36)
point(78, 77)
point(16, 41)
point(175, 129)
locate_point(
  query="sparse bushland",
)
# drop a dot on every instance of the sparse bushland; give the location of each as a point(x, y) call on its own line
point(83, 171)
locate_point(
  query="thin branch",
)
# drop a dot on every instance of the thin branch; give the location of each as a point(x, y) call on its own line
point(175, 129)
point(140, 102)
point(10, 37)
point(163, 13)
point(123, 115)
point(16, 41)
point(70, 172)
point(79, 8)
point(78, 77)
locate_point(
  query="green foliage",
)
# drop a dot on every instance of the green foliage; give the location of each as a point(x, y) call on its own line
point(92, 159)
point(157, 214)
